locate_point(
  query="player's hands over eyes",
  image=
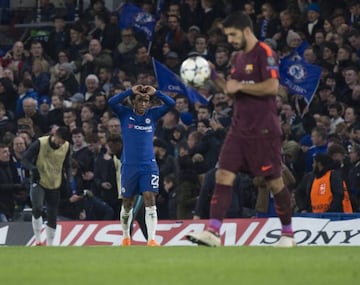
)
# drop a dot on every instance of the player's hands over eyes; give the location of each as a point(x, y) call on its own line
point(149, 90)
point(232, 86)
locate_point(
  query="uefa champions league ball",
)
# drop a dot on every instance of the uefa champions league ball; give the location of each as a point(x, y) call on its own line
point(195, 71)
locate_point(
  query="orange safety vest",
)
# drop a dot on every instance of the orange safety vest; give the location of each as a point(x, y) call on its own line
point(321, 195)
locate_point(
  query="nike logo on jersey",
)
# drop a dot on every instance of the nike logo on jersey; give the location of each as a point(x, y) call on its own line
point(131, 119)
point(266, 167)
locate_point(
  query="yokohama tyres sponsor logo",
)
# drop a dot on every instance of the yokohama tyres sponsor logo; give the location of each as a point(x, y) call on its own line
point(234, 232)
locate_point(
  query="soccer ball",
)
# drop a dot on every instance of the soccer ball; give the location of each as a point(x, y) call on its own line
point(195, 71)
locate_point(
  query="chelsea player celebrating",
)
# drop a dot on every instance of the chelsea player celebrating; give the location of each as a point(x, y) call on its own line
point(139, 170)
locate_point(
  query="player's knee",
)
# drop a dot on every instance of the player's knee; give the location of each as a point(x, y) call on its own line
point(276, 185)
point(127, 204)
point(149, 199)
point(225, 177)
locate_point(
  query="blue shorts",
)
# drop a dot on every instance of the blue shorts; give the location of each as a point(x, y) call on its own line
point(136, 179)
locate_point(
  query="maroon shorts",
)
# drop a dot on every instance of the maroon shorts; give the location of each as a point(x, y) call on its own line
point(257, 156)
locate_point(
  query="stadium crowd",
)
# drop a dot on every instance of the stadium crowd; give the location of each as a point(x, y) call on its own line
point(66, 79)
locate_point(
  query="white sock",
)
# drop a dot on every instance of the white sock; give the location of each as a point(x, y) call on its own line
point(125, 220)
point(151, 220)
point(50, 235)
point(37, 225)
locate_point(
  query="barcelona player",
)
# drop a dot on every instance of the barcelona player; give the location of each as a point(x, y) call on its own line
point(253, 142)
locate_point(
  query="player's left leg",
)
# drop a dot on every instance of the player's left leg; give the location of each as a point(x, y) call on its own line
point(283, 209)
point(151, 218)
point(52, 198)
point(37, 195)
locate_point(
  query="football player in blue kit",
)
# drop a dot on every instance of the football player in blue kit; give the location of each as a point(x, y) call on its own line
point(139, 170)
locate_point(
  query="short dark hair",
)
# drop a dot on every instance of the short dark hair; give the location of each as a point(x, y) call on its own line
point(62, 132)
point(337, 106)
point(238, 20)
point(336, 148)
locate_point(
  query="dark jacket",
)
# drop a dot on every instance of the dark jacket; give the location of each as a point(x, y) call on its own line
point(8, 187)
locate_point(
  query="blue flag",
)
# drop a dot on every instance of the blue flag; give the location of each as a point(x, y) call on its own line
point(302, 47)
point(159, 7)
point(133, 16)
point(299, 76)
point(170, 82)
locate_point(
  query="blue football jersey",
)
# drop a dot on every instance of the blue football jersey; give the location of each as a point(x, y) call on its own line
point(138, 130)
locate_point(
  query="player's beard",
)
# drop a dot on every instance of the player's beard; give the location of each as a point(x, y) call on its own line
point(241, 45)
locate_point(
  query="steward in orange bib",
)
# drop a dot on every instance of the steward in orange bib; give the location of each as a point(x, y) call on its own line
point(325, 191)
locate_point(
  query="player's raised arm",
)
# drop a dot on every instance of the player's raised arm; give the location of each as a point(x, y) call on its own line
point(150, 90)
point(118, 98)
point(218, 80)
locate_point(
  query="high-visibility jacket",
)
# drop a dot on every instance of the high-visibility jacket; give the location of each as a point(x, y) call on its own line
point(321, 195)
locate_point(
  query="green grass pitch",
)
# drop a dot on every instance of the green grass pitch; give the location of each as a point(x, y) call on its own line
point(247, 265)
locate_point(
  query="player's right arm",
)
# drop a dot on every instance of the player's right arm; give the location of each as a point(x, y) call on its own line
point(268, 87)
point(218, 81)
point(30, 155)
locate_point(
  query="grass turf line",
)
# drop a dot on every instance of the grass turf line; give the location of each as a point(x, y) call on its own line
point(106, 265)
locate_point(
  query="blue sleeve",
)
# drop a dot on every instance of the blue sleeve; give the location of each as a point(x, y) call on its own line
point(163, 109)
point(115, 100)
point(166, 99)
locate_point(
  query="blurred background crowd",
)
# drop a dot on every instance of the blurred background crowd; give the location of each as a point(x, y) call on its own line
point(69, 59)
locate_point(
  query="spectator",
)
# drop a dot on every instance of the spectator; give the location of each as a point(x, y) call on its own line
point(37, 52)
point(105, 185)
point(335, 113)
point(93, 59)
point(208, 147)
point(14, 58)
point(354, 177)
point(267, 24)
point(6, 124)
point(26, 90)
point(319, 145)
point(56, 114)
point(167, 165)
point(126, 49)
point(68, 79)
point(83, 156)
point(78, 42)
point(40, 78)
point(58, 37)
point(31, 111)
point(314, 22)
point(113, 126)
point(105, 81)
point(191, 14)
point(286, 24)
point(9, 185)
point(87, 112)
point(323, 190)
point(70, 118)
point(107, 33)
point(170, 186)
point(92, 87)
